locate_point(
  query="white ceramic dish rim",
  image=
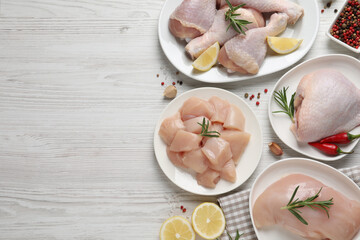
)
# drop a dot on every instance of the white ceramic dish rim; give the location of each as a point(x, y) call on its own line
point(335, 39)
point(284, 65)
point(211, 192)
point(325, 158)
point(289, 160)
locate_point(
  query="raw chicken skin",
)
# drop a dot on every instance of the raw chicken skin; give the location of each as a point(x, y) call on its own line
point(326, 103)
point(246, 53)
point(196, 107)
point(293, 10)
point(344, 221)
point(169, 128)
point(192, 18)
point(185, 141)
point(219, 33)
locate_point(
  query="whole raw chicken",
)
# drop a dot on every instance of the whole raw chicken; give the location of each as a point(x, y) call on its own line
point(246, 53)
point(326, 103)
point(192, 18)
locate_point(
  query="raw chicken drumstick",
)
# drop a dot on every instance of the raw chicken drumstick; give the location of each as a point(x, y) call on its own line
point(246, 53)
point(192, 18)
point(219, 33)
point(293, 10)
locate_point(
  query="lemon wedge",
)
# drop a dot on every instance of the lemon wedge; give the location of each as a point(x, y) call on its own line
point(208, 220)
point(208, 58)
point(175, 228)
point(283, 45)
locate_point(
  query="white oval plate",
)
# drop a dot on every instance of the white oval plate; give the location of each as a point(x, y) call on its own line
point(306, 28)
point(320, 171)
point(247, 163)
point(281, 123)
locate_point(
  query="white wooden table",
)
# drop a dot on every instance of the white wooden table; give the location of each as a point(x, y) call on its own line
point(79, 100)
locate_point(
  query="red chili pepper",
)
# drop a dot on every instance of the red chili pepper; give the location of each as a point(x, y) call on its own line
point(340, 138)
point(328, 148)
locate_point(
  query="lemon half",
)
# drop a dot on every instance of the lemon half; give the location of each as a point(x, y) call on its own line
point(208, 220)
point(176, 228)
point(283, 45)
point(208, 58)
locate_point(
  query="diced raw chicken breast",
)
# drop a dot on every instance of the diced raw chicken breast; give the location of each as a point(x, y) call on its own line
point(238, 142)
point(169, 127)
point(192, 125)
point(234, 119)
point(218, 152)
point(196, 107)
point(228, 171)
point(221, 109)
point(208, 179)
point(185, 141)
point(176, 158)
point(196, 160)
point(218, 127)
point(344, 220)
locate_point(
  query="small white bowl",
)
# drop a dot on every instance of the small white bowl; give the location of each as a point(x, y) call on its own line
point(335, 39)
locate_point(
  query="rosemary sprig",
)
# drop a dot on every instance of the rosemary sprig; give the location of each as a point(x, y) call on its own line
point(293, 206)
point(237, 237)
point(237, 24)
point(281, 98)
point(205, 132)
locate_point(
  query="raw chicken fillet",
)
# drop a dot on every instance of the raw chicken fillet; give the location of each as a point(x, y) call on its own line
point(343, 223)
point(326, 103)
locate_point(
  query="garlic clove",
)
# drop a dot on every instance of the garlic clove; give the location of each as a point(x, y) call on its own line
point(170, 91)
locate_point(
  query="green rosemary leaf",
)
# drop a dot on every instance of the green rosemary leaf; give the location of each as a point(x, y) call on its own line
point(281, 98)
point(205, 130)
point(237, 24)
point(293, 206)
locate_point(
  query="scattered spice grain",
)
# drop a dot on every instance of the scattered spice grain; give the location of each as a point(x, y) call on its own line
point(246, 95)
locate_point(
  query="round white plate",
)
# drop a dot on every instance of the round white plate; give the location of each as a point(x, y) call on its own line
point(320, 171)
point(247, 163)
point(306, 28)
point(281, 123)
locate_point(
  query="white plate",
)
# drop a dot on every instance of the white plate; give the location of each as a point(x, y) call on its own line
point(247, 163)
point(320, 171)
point(281, 123)
point(306, 28)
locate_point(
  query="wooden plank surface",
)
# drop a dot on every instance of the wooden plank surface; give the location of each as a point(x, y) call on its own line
point(79, 100)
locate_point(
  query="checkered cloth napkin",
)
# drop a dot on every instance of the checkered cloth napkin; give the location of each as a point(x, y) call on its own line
point(237, 213)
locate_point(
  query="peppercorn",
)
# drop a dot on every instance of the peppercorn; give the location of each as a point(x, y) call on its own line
point(322, 10)
point(257, 103)
point(246, 95)
point(173, 83)
point(162, 83)
point(265, 90)
point(346, 27)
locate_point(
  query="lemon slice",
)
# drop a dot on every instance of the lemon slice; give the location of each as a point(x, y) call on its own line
point(208, 220)
point(208, 58)
point(283, 45)
point(176, 228)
